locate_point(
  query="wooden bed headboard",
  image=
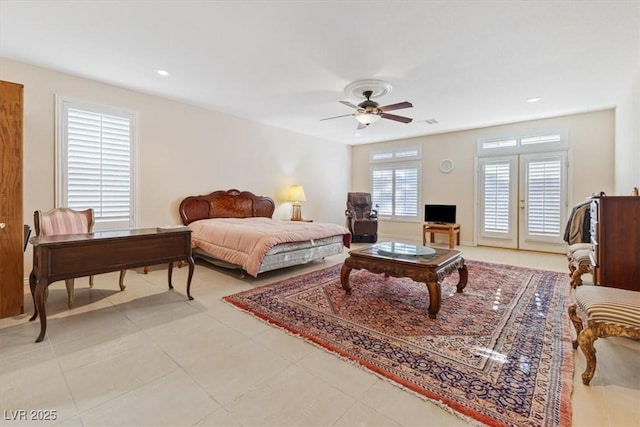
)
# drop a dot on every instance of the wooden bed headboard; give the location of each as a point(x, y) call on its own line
point(225, 204)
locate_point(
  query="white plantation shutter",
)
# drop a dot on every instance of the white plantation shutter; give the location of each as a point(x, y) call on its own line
point(395, 191)
point(382, 194)
point(544, 196)
point(406, 192)
point(96, 166)
point(496, 196)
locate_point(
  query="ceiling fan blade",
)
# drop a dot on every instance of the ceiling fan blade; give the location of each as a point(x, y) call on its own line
point(397, 106)
point(396, 118)
point(348, 104)
point(361, 126)
point(337, 117)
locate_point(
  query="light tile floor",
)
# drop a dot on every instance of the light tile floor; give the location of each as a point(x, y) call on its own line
point(147, 356)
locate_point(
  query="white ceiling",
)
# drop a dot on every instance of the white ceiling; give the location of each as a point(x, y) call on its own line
point(286, 63)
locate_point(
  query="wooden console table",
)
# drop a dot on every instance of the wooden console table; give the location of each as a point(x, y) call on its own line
point(76, 255)
point(434, 228)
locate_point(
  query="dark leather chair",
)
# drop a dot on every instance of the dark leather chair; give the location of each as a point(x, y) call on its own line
point(362, 219)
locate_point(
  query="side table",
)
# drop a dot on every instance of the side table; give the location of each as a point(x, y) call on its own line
point(434, 228)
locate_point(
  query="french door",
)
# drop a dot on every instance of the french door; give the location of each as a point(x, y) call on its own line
point(522, 201)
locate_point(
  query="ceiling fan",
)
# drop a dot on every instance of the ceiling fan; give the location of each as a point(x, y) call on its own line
point(370, 111)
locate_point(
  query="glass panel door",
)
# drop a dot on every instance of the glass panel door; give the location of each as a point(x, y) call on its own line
point(498, 201)
point(522, 201)
point(543, 201)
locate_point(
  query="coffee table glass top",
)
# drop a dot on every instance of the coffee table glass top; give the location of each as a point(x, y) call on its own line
point(404, 250)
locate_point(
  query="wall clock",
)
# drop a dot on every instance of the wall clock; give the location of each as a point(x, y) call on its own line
point(446, 166)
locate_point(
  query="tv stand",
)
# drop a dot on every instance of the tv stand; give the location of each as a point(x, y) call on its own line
point(434, 228)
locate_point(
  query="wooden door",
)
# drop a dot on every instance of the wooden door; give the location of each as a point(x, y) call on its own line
point(11, 218)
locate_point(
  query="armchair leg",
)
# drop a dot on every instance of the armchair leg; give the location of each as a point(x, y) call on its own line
point(121, 283)
point(70, 285)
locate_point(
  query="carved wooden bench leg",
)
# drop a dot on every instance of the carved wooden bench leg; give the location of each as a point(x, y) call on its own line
point(586, 338)
point(576, 276)
point(579, 264)
point(607, 312)
point(577, 323)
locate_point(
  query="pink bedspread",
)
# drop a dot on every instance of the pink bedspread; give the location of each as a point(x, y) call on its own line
point(245, 241)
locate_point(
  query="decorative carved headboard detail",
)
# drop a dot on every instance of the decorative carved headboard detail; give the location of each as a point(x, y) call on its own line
point(225, 204)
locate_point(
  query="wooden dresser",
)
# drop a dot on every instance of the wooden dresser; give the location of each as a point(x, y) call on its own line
point(615, 234)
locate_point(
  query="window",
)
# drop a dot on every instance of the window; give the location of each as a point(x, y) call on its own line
point(548, 141)
point(544, 195)
point(496, 197)
point(401, 154)
point(96, 162)
point(395, 191)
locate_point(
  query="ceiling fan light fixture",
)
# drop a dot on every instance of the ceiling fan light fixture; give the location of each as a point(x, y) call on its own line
point(367, 118)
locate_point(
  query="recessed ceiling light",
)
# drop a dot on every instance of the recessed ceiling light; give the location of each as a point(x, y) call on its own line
point(534, 99)
point(163, 73)
point(356, 134)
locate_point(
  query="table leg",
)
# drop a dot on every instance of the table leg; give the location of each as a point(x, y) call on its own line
point(191, 266)
point(170, 273)
point(435, 296)
point(32, 287)
point(345, 271)
point(432, 236)
point(451, 233)
point(424, 236)
point(464, 275)
point(121, 282)
point(40, 298)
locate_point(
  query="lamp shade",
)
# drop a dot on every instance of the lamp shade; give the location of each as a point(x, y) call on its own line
point(296, 194)
point(367, 118)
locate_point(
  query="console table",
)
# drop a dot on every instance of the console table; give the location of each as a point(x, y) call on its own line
point(76, 255)
point(434, 228)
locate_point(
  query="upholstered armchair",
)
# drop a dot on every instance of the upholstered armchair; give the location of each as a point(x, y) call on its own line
point(362, 219)
point(61, 221)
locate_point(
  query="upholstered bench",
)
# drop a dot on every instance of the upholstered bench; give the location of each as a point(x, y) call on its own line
point(579, 262)
point(607, 312)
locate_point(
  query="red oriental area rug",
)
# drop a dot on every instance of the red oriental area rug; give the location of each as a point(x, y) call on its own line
point(500, 353)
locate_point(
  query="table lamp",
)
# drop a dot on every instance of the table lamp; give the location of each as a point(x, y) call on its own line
point(296, 195)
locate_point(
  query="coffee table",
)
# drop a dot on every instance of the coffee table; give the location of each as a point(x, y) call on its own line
point(419, 263)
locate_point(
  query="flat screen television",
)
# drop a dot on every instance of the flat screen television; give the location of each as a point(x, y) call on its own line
point(441, 214)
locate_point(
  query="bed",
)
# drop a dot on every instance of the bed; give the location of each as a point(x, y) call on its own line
point(235, 229)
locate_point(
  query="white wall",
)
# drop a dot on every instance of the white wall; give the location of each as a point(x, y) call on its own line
point(628, 139)
point(591, 136)
point(628, 130)
point(184, 150)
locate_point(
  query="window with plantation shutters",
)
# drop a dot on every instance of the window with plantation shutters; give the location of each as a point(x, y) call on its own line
point(395, 191)
point(497, 196)
point(544, 196)
point(95, 162)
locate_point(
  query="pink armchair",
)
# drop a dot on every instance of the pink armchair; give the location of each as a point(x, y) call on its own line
point(61, 221)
